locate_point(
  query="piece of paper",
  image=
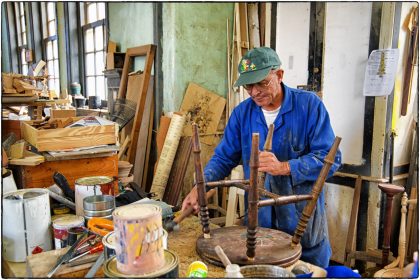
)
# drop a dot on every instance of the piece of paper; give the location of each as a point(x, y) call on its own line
point(91, 120)
point(205, 109)
point(380, 72)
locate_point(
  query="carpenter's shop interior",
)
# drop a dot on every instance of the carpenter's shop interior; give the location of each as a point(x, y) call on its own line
point(209, 139)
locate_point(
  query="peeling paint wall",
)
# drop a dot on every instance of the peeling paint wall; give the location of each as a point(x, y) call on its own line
point(194, 49)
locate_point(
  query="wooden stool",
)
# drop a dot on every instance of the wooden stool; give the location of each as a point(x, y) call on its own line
point(390, 190)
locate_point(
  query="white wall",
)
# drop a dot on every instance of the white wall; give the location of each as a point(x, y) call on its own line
point(292, 41)
point(346, 46)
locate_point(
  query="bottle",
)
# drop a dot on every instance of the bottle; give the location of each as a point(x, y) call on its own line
point(197, 269)
point(233, 271)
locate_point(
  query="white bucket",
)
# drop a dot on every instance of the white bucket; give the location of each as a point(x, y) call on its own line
point(61, 227)
point(26, 223)
point(8, 183)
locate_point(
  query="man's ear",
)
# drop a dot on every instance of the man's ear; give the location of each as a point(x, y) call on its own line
point(279, 74)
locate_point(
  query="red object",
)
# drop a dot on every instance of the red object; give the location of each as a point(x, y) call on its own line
point(99, 247)
point(37, 250)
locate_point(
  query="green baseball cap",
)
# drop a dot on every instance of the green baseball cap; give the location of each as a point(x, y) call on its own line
point(256, 64)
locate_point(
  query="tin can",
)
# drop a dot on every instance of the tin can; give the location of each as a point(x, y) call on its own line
point(197, 269)
point(61, 227)
point(109, 245)
point(89, 186)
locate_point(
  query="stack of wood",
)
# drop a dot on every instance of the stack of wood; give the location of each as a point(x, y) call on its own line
point(53, 123)
point(124, 172)
point(19, 155)
point(19, 85)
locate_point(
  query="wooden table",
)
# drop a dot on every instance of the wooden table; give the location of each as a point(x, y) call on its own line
point(181, 242)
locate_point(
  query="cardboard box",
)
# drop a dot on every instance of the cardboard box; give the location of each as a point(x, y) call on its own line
point(60, 139)
point(63, 113)
point(115, 60)
point(112, 46)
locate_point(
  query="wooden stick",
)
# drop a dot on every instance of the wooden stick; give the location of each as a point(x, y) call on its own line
point(251, 234)
point(199, 176)
point(316, 190)
point(267, 148)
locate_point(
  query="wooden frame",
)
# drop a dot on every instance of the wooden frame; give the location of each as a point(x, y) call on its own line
point(149, 52)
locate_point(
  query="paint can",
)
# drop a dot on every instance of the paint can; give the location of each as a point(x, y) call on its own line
point(9, 184)
point(26, 221)
point(61, 227)
point(88, 186)
point(265, 271)
point(109, 245)
point(73, 234)
point(98, 206)
point(138, 230)
point(60, 209)
point(170, 268)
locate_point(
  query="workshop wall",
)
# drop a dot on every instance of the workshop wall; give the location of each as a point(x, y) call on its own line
point(194, 49)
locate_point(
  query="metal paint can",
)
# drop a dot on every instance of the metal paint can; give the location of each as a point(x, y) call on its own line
point(73, 234)
point(26, 221)
point(265, 271)
point(138, 230)
point(89, 186)
point(99, 206)
point(170, 268)
point(61, 227)
point(109, 245)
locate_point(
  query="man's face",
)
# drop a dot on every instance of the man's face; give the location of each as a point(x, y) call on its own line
point(265, 93)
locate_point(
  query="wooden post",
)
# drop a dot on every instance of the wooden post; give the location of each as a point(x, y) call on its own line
point(316, 190)
point(251, 236)
point(201, 186)
point(267, 148)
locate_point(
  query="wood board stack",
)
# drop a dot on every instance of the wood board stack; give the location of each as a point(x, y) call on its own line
point(17, 85)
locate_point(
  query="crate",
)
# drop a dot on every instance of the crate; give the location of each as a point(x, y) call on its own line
point(60, 139)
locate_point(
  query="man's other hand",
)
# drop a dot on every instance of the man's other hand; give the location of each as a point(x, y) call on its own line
point(191, 201)
point(271, 165)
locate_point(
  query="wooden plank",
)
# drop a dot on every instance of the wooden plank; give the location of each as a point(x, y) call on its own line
point(71, 142)
point(161, 133)
point(148, 148)
point(123, 148)
point(253, 26)
point(39, 265)
point(17, 149)
point(143, 143)
point(41, 176)
point(177, 174)
point(29, 159)
point(63, 113)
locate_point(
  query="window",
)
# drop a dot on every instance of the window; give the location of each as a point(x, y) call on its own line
point(94, 48)
point(21, 33)
point(51, 45)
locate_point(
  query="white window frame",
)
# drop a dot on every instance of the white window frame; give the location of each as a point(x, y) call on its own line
point(22, 36)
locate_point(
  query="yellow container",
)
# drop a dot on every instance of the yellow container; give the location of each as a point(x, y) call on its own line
point(197, 269)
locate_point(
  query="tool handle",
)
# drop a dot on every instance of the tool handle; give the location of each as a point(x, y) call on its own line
point(187, 212)
point(96, 249)
point(222, 256)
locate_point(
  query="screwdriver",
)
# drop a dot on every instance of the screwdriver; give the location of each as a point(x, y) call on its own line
point(97, 248)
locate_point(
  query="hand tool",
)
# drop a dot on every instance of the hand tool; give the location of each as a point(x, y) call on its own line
point(92, 271)
point(61, 181)
point(222, 256)
point(174, 224)
point(97, 248)
point(65, 257)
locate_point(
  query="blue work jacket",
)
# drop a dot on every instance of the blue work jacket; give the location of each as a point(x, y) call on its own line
point(302, 136)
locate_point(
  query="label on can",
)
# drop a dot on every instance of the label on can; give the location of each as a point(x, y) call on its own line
point(197, 269)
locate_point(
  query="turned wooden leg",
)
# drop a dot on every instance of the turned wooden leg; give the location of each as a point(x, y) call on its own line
point(390, 190)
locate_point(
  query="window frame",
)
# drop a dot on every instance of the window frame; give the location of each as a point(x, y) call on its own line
point(21, 47)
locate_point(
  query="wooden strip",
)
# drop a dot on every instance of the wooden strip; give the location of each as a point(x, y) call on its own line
point(161, 133)
point(177, 174)
point(351, 233)
point(64, 143)
point(149, 142)
point(76, 131)
point(253, 26)
point(124, 147)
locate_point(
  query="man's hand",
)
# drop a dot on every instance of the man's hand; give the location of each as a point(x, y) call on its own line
point(191, 201)
point(271, 165)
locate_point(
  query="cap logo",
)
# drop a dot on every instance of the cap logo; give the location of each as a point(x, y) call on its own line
point(247, 65)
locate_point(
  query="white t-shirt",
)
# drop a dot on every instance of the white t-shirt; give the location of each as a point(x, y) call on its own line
point(270, 116)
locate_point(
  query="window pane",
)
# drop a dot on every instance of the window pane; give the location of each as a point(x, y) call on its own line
point(99, 63)
point(22, 24)
point(91, 13)
point(49, 50)
point(56, 69)
point(22, 56)
point(89, 47)
point(90, 86)
point(101, 10)
point(90, 64)
point(57, 86)
point(55, 48)
point(25, 69)
point(99, 38)
point(51, 84)
point(51, 28)
point(50, 10)
point(21, 9)
point(100, 86)
point(50, 67)
point(24, 38)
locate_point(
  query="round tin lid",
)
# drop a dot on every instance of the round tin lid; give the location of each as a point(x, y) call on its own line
point(137, 211)
point(68, 221)
point(94, 180)
point(171, 262)
point(109, 240)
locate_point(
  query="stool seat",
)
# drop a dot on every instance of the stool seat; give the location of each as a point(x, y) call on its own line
point(391, 189)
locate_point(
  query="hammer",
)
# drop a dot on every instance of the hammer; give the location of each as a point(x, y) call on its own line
point(174, 224)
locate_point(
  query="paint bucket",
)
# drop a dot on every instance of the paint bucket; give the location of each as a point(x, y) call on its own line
point(75, 88)
point(60, 209)
point(265, 271)
point(94, 102)
point(138, 229)
point(80, 102)
point(9, 184)
point(98, 206)
point(26, 221)
point(73, 234)
point(89, 186)
point(61, 227)
point(170, 269)
point(109, 245)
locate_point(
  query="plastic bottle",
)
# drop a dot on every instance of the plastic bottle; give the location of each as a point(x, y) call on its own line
point(233, 271)
point(197, 269)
